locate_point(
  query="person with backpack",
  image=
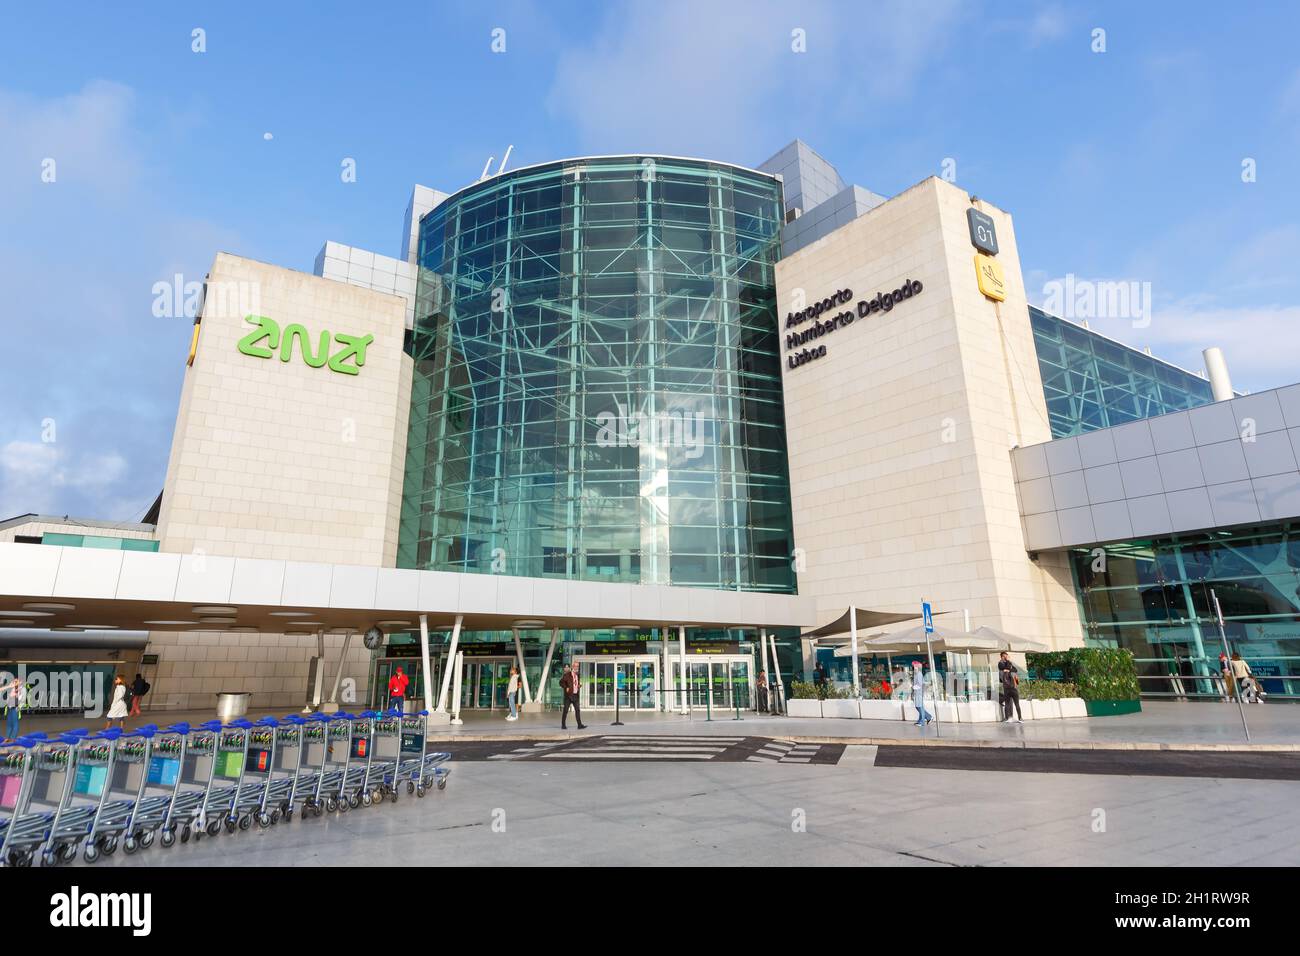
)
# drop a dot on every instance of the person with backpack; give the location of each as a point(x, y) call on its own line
point(139, 687)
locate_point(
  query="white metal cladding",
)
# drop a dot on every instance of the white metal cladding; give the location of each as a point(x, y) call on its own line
point(1230, 463)
point(132, 586)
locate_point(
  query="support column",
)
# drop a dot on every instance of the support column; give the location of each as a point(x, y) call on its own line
point(853, 640)
point(767, 676)
point(459, 662)
point(665, 680)
point(451, 664)
point(684, 683)
point(331, 706)
point(424, 657)
point(546, 668)
point(776, 668)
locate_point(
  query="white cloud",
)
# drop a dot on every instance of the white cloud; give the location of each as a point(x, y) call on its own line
point(41, 473)
point(701, 78)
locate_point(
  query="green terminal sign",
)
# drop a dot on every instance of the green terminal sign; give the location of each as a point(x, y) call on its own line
point(268, 331)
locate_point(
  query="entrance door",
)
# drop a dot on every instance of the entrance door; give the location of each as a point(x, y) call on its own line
point(597, 679)
point(715, 682)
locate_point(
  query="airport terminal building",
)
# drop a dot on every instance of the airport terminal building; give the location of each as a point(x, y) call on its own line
point(661, 418)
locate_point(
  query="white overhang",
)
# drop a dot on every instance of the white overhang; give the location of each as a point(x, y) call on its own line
point(133, 589)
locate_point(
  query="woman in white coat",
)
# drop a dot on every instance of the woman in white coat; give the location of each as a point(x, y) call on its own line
point(117, 710)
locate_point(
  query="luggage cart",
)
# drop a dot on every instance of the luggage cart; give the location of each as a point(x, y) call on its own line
point(247, 794)
point(129, 759)
point(197, 787)
point(420, 770)
point(299, 734)
point(67, 823)
point(158, 796)
point(95, 825)
point(356, 772)
point(331, 781)
point(264, 762)
point(184, 746)
point(27, 761)
point(378, 780)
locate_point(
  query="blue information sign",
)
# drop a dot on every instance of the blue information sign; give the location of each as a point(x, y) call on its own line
point(929, 619)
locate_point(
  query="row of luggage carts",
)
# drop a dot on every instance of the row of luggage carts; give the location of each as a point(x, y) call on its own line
point(87, 792)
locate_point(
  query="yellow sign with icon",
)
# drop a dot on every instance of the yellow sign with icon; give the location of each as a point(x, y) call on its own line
point(991, 280)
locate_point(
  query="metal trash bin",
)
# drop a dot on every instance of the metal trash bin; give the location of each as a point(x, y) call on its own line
point(232, 704)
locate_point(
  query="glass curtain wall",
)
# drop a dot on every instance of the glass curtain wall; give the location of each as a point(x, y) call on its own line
point(1153, 597)
point(1091, 382)
point(597, 390)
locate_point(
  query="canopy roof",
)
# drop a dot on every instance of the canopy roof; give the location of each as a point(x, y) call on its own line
point(867, 619)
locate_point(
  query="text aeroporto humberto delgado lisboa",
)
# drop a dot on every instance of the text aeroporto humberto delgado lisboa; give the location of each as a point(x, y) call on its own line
point(883, 302)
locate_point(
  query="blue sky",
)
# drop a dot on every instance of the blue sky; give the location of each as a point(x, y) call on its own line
point(1122, 165)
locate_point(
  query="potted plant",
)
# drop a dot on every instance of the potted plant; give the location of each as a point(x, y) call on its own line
point(804, 700)
point(838, 702)
point(1106, 678)
point(1041, 699)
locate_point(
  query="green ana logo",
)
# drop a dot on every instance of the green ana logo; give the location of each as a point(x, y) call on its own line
point(268, 330)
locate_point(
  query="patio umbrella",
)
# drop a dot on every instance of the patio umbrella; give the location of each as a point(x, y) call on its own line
point(1010, 642)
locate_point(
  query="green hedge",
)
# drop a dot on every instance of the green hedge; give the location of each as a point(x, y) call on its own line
point(1047, 689)
point(1101, 673)
point(804, 690)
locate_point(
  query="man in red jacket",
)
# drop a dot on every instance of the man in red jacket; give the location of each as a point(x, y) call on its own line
point(397, 689)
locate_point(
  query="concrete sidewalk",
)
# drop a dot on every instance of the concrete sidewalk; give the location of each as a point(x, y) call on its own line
point(1162, 725)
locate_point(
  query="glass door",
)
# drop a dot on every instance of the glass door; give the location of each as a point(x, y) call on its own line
point(645, 696)
point(697, 683)
point(741, 694)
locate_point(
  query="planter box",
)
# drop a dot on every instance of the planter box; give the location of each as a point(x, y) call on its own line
point(979, 712)
point(1109, 708)
point(1073, 707)
point(1042, 709)
point(803, 708)
point(882, 710)
point(840, 708)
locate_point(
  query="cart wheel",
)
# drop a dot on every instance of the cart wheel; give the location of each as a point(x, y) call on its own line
point(146, 839)
point(68, 852)
point(288, 815)
point(330, 805)
point(49, 858)
point(263, 820)
point(245, 821)
point(129, 845)
point(367, 799)
point(286, 808)
point(109, 846)
point(410, 786)
point(420, 791)
point(185, 833)
point(25, 860)
point(90, 854)
point(168, 838)
point(275, 815)
point(214, 827)
point(392, 796)
point(354, 801)
point(442, 783)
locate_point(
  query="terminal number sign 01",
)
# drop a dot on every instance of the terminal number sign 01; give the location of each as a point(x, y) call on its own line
point(982, 234)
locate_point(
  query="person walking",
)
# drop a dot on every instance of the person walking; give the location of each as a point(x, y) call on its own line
point(570, 684)
point(762, 692)
point(1245, 678)
point(512, 693)
point(1009, 677)
point(397, 689)
point(923, 716)
point(139, 687)
point(13, 693)
point(117, 710)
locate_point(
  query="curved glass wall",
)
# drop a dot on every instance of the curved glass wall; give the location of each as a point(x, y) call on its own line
point(597, 390)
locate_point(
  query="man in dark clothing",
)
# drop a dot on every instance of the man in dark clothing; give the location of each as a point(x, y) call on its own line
point(1010, 679)
point(570, 685)
point(139, 687)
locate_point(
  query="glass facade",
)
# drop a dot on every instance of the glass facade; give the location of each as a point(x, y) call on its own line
point(1091, 382)
point(1154, 598)
point(597, 390)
